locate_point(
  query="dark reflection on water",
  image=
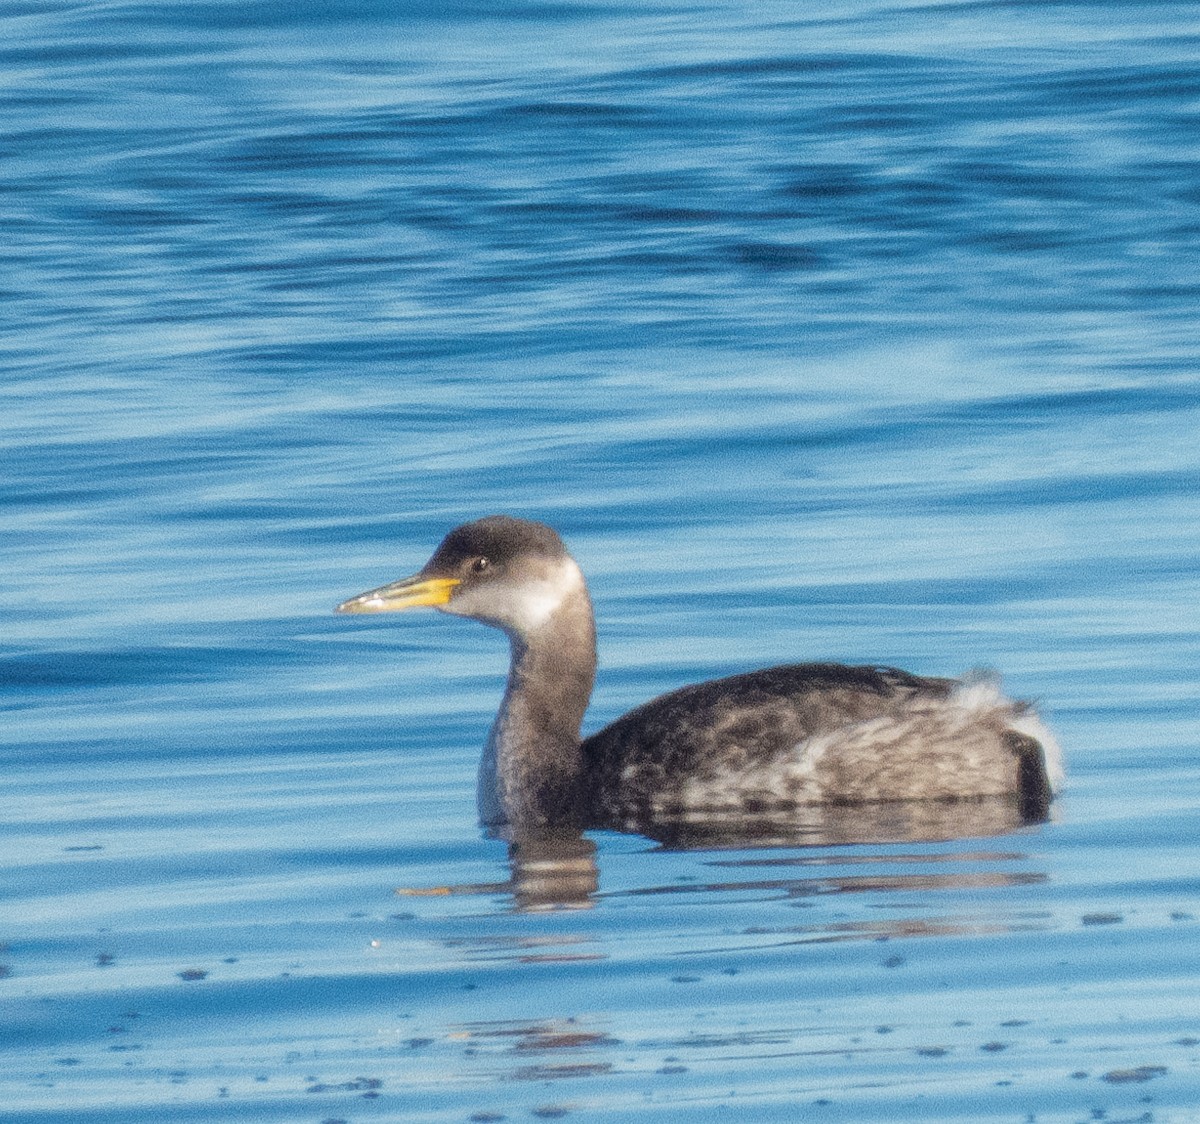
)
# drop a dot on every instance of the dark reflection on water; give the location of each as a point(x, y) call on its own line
point(532, 1048)
point(553, 872)
point(865, 884)
point(558, 870)
point(831, 825)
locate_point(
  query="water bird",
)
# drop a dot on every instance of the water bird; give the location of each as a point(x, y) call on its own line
point(781, 737)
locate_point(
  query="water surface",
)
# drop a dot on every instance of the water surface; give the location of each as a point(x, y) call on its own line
point(861, 332)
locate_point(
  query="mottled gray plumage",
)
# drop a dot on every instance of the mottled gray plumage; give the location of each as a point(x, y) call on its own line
point(792, 736)
point(811, 734)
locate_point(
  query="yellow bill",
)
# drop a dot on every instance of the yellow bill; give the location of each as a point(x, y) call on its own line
point(408, 593)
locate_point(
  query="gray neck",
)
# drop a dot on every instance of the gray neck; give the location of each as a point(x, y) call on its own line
point(530, 773)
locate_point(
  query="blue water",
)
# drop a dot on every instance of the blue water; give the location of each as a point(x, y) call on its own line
point(828, 331)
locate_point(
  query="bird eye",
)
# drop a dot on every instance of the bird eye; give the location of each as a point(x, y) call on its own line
point(479, 565)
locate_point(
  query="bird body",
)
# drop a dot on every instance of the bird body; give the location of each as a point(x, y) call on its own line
point(817, 734)
point(789, 736)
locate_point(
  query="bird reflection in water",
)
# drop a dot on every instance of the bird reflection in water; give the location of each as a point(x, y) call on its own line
point(549, 870)
point(558, 870)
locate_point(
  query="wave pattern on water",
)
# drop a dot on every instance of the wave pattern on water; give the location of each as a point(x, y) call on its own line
point(853, 332)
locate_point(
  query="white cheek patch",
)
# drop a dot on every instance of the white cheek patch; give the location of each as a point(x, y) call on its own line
point(520, 607)
point(536, 604)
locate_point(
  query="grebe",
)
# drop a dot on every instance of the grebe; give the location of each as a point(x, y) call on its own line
point(802, 734)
